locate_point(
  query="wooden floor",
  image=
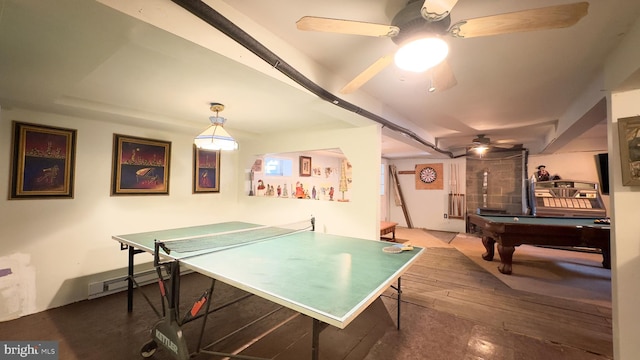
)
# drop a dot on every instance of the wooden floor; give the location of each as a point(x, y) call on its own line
point(451, 309)
point(446, 281)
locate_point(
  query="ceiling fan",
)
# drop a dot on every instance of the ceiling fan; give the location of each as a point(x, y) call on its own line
point(429, 20)
point(482, 144)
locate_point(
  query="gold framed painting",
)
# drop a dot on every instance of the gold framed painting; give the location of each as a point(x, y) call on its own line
point(43, 161)
point(206, 170)
point(140, 166)
point(629, 136)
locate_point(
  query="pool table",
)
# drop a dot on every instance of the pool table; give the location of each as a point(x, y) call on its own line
point(509, 233)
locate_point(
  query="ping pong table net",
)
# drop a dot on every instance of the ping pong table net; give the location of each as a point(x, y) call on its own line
point(229, 239)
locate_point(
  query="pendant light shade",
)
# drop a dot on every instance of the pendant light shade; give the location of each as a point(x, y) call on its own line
point(215, 137)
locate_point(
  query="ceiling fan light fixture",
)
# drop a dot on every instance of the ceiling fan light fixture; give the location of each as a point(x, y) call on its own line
point(215, 137)
point(421, 54)
point(480, 149)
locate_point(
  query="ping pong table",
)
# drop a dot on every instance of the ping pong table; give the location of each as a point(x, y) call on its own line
point(330, 278)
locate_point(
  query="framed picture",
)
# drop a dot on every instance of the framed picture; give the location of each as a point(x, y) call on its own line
point(206, 170)
point(43, 161)
point(305, 166)
point(629, 135)
point(140, 166)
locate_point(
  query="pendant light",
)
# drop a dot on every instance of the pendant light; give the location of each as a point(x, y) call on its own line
point(215, 137)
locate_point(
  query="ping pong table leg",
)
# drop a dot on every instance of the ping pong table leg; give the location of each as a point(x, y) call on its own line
point(174, 304)
point(315, 342)
point(399, 296)
point(318, 326)
point(130, 280)
point(398, 289)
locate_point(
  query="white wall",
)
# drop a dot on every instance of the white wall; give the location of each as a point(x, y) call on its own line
point(624, 64)
point(387, 196)
point(426, 208)
point(625, 238)
point(55, 247)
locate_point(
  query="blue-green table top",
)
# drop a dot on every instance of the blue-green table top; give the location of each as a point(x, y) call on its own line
point(330, 278)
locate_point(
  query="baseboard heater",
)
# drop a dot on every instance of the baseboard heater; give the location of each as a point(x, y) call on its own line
point(117, 284)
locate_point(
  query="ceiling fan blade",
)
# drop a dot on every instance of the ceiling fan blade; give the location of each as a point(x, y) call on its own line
point(366, 75)
point(442, 77)
point(436, 10)
point(552, 17)
point(312, 23)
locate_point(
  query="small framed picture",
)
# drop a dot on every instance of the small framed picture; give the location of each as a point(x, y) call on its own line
point(140, 166)
point(629, 137)
point(206, 170)
point(43, 161)
point(305, 166)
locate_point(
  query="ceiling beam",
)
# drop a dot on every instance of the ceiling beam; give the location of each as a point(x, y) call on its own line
point(591, 118)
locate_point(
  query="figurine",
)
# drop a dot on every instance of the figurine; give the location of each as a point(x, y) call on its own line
point(261, 188)
point(299, 191)
point(542, 174)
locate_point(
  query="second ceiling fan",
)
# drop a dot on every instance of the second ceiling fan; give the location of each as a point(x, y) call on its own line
point(423, 24)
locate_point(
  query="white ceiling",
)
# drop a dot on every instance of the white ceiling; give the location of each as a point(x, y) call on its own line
point(155, 67)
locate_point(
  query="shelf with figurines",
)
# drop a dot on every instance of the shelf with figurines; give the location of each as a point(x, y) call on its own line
point(328, 180)
point(297, 191)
